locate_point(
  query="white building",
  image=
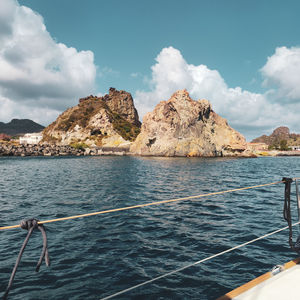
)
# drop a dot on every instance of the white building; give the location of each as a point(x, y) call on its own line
point(31, 138)
point(295, 148)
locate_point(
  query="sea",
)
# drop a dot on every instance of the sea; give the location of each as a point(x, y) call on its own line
point(97, 256)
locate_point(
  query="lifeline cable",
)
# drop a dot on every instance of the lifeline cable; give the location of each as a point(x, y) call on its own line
point(146, 204)
point(39, 224)
point(197, 262)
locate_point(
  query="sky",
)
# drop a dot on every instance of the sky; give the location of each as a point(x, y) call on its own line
point(241, 55)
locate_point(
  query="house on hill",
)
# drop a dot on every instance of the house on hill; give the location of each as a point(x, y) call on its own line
point(257, 146)
point(31, 138)
point(295, 148)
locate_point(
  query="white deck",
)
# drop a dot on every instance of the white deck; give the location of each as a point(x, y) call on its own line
point(285, 285)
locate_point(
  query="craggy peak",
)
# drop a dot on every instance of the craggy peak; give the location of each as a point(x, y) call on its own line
point(182, 126)
point(110, 121)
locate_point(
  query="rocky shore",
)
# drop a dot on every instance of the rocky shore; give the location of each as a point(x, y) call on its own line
point(7, 149)
point(279, 153)
point(38, 150)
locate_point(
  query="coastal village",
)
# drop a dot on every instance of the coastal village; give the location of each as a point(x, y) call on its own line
point(110, 125)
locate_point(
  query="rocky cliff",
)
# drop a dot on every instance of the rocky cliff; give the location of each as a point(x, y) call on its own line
point(184, 127)
point(110, 121)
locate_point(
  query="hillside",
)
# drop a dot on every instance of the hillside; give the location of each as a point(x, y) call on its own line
point(110, 121)
point(20, 126)
point(280, 138)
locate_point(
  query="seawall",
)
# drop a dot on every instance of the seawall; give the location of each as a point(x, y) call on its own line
point(7, 149)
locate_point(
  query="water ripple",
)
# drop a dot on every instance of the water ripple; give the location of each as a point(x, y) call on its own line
point(97, 256)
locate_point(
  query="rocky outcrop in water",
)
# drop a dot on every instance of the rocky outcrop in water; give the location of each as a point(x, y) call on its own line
point(184, 127)
point(109, 121)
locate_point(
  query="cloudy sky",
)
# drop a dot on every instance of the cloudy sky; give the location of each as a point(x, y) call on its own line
point(243, 56)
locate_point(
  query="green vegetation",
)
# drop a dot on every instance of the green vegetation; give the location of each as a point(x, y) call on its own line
point(273, 146)
point(50, 139)
point(86, 109)
point(281, 145)
point(81, 114)
point(126, 130)
point(81, 146)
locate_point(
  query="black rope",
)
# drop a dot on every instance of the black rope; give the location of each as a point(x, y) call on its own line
point(287, 213)
point(29, 225)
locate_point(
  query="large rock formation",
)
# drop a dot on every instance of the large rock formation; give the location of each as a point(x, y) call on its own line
point(184, 127)
point(110, 121)
point(121, 102)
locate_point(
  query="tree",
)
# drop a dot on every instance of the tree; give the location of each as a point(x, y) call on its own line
point(283, 145)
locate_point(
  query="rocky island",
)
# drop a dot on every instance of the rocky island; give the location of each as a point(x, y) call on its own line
point(108, 121)
point(185, 127)
point(110, 124)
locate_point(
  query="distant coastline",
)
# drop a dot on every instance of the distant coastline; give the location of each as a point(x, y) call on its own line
point(109, 125)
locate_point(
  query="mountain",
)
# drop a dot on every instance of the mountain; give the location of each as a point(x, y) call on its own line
point(280, 137)
point(110, 121)
point(182, 126)
point(20, 126)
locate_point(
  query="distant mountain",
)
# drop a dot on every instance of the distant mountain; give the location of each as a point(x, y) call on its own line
point(20, 126)
point(279, 135)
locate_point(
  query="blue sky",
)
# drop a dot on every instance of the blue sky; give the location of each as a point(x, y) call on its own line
point(243, 56)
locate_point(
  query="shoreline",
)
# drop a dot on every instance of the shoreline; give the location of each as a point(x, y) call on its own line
point(8, 149)
point(274, 153)
point(20, 150)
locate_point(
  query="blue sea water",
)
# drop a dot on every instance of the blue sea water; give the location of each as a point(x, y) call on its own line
point(98, 256)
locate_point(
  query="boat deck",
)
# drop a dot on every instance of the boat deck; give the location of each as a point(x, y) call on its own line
point(284, 285)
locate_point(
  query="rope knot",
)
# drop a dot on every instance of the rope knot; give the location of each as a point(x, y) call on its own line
point(29, 223)
point(287, 179)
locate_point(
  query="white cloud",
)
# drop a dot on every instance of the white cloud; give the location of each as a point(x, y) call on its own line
point(283, 69)
point(10, 110)
point(251, 113)
point(38, 76)
point(106, 71)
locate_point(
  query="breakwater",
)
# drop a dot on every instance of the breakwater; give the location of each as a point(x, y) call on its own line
point(38, 150)
point(7, 149)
